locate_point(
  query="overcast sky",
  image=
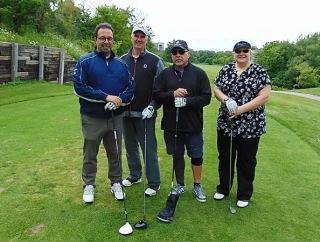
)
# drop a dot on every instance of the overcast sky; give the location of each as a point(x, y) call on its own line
point(223, 23)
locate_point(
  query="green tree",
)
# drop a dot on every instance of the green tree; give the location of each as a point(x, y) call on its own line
point(26, 15)
point(308, 77)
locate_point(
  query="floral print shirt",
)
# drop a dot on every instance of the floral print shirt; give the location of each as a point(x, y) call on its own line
point(242, 89)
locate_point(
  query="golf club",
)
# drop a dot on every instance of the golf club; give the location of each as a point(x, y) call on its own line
point(231, 209)
point(125, 229)
point(142, 224)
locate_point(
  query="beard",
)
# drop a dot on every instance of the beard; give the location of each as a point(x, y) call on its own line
point(106, 49)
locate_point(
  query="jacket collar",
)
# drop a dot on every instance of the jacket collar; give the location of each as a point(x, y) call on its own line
point(141, 54)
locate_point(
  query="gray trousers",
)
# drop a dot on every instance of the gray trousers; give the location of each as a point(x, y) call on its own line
point(134, 134)
point(94, 130)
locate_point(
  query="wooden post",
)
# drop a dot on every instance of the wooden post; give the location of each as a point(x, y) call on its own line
point(14, 61)
point(61, 66)
point(41, 62)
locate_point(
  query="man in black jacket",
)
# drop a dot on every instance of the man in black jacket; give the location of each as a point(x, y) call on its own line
point(144, 66)
point(184, 89)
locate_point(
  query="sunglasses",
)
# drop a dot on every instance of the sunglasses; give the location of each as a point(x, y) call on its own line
point(243, 51)
point(180, 51)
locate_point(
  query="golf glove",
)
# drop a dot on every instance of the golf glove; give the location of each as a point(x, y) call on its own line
point(110, 106)
point(147, 112)
point(180, 102)
point(231, 104)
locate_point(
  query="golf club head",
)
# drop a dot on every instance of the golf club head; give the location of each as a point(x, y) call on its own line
point(126, 229)
point(142, 224)
point(232, 210)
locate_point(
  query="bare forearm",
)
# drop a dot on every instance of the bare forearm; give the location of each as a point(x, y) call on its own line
point(219, 95)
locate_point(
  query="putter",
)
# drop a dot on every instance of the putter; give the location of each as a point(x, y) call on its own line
point(125, 229)
point(142, 224)
point(231, 209)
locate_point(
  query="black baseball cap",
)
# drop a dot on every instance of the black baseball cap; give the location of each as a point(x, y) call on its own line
point(241, 44)
point(180, 44)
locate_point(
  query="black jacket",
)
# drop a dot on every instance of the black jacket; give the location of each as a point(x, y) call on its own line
point(196, 81)
point(144, 70)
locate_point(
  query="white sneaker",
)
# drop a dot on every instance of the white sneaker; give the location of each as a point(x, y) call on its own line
point(129, 182)
point(117, 191)
point(242, 204)
point(88, 194)
point(151, 192)
point(218, 196)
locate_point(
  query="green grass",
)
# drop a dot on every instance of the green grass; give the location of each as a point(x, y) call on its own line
point(211, 70)
point(314, 91)
point(41, 186)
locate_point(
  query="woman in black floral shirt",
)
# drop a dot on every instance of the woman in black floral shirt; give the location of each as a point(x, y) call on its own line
point(242, 88)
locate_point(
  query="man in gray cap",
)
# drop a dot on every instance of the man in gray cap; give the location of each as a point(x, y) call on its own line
point(140, 115)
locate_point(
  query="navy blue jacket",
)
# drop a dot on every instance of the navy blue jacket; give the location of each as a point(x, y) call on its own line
point(95, 77)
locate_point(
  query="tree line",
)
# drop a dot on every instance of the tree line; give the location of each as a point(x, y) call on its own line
point(290, 64)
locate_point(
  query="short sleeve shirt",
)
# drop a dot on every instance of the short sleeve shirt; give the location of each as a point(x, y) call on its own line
point(242, 89)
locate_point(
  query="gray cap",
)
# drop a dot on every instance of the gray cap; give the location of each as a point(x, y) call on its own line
point(140, 28)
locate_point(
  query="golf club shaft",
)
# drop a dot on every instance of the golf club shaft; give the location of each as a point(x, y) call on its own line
point(118, 158)
point(230, 168)
point(175, 146)
point(145, 169)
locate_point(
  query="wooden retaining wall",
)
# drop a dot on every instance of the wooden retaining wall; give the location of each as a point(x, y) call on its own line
point(30, 62)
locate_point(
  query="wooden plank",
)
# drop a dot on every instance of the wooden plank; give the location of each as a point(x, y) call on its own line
point(5, 75)
point(22, 74)
point(14, 61)
point(5, 57)
point(5, 44)
point(61, 66)
point(32, 62)
point(41, 62)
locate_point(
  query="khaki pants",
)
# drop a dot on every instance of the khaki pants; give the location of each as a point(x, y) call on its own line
point(94, 130)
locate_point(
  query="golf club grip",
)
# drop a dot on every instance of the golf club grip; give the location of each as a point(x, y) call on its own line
point(177, 115)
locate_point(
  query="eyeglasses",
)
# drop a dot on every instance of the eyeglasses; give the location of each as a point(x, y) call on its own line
point(175, 52)
point(103, 39)
point(243, 51)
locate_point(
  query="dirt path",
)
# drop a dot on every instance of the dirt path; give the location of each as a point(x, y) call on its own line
point(306, 95)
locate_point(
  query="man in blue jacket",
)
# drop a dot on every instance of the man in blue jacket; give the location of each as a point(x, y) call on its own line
point(104, 85)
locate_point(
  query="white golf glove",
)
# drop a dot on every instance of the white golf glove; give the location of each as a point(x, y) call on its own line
point(147, 112)
point(110, 106)
point(231, 104)
point(180, 102)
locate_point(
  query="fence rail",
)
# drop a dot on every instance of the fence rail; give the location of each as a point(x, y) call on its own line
point(29, 62)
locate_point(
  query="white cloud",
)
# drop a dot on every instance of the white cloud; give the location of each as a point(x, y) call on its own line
point(212, 25)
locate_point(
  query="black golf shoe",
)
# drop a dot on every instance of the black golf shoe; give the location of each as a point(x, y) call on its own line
point(166, 215)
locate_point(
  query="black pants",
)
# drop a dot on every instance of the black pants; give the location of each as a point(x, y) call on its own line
point(245, 151)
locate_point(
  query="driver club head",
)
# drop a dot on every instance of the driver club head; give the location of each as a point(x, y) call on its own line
point(126, 229)
point(142, 224)
point(232, 210)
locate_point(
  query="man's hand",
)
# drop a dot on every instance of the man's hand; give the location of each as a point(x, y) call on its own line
point(147, 112)
point(110, 106)
point(232, 105)
point(114, 99)
point(180, 92)
point(180, 102)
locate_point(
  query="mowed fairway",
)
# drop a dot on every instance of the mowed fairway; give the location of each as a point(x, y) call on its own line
point(211, 70)
point(41, 185)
